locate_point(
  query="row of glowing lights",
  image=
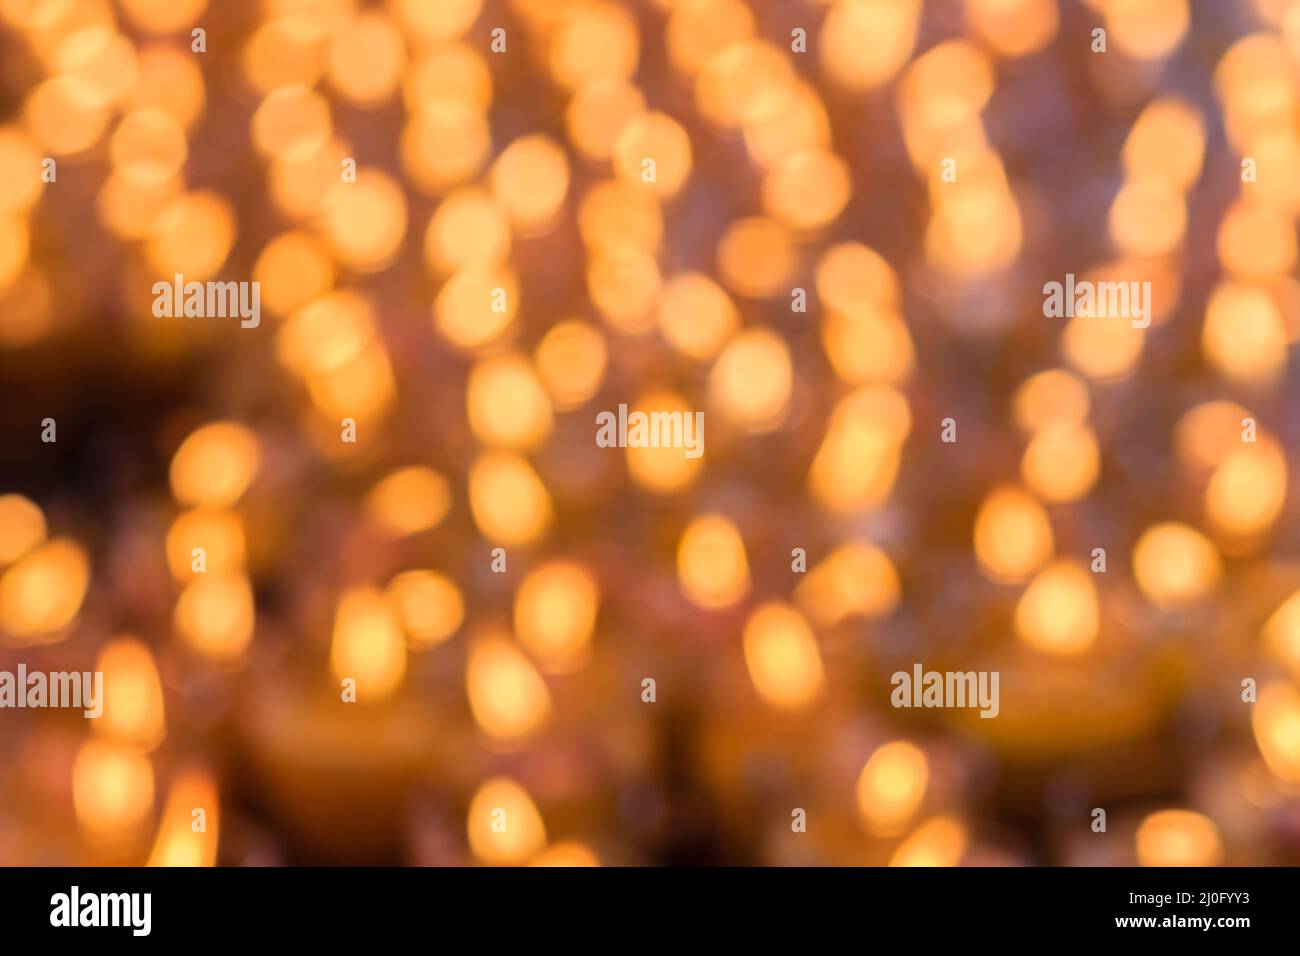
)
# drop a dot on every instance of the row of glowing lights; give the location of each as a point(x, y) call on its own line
point(555, 612)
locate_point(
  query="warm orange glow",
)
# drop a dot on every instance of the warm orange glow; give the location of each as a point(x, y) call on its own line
point(215, 465)
point(429, 606)
point(555, 614)
point(1178, 838)
point(1013, 537)
point(133, 695)
point(504, 826)
point(891, 787)
point(368, 646)
point(711, 565)
point(1175, 565)
point(782, 656)
point(187, 837)
point(112, 790)
point(408, 501)
point(507, 696)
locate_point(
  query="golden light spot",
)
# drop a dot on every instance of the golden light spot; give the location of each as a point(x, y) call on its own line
point(666, 469)
point(807, 190)
point(26, 309)
point(1275, 719)
point(615, 215)
point(1175, 565)
point(595, 41)
point(214, 465)
point(368, 645)
point(1256, 241)
point(454, 71)
point(444, 144)
point(1281, 634)
point(360, 388)
point(744, 83)
point(1061, 462)
point(571, 360)
point(463, 310)
point(891, 788)
point(170, 80)
point(1013, 537)
point(756, 257)
point(292, 124)
point(800, 124)
point(366, 59)
point(1166, 143)
point(100, 61)
point(408, 501)
point(1247, 490)
point(654, 136)
point(20, 165)
point(940, 841)
point(598, 114)
point(1148, 29)
point(555, 614)
point(326, 334)
point(42, 592)
point(178, 843)
point(1147, 218)
point(507, 696)
point(1178, 838)
point(507, 404)
point(429, 606)
point(1053, 397)
point(365, 221)
point(191, 235)
point(1013, 28)
point(886, 27)
point(696, 315)
point(132, 695)
point(148, 146)
point(62, 118)
point(214, 615)
point(624, 287)
point(509, 502)
point(698, 29)
point(219, 532)
point(1058, 613)
point(163, 16)
point(293, 269)
point(945, 89)
point(1102, 347)
point(751, 381)
point(435, 22)
point(856, 579)
point(112, 790)
point(857, 461)
point(869, 343)
point(286, 51)
point(22, 527)
point(711, 565)
point(15, 250)
point(976, 229)
point(850, 276)
point(530, 180)
point(468, 230)
point(299, 188)
point(782, 657)
point(504, 826)
point(1207, 432)
point(567, 853)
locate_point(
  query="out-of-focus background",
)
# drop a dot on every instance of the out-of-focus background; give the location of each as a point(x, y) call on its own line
point(476, 224)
